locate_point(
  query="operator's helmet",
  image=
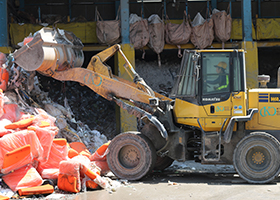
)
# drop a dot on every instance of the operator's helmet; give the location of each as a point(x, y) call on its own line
point(222, 65)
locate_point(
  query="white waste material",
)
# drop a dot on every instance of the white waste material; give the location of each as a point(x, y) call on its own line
point(93, 139)
point(198, 20)
point(6, 192)
point(194, 167)
point(154, 19)
point(134, 18)
point(215, 10)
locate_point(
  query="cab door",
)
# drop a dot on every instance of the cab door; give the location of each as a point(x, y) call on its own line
point(216, 100)
point(222, 103)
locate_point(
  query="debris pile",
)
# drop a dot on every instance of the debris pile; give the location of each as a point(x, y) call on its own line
point(40, 150)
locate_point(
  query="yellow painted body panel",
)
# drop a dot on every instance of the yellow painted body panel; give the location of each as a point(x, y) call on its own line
point(187, 113)
point(268, 103)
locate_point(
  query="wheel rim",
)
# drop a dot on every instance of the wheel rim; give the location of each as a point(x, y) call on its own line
point(258, 158)
point(129, 156)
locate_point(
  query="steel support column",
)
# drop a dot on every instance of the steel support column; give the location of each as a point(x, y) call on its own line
point(125, 121)
point(21, 5)
point(4, 42)
point(246, 20)
point(187, 9)
point(125, 21)
point(251, 57)
point(214, 4)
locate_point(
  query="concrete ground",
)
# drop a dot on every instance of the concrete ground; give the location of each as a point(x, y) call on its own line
point(193, 182)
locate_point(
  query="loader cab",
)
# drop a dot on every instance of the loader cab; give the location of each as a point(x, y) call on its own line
point(200, 72)
point(210, 83)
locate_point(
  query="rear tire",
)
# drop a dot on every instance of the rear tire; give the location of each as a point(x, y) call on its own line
point(131, 156)
point(256, 158)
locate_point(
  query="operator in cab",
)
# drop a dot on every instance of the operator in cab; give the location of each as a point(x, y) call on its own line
point(222, 80)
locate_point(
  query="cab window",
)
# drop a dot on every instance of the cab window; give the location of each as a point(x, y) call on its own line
point(215, 73)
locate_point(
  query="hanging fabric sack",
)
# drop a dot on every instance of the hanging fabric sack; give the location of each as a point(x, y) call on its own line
point(108, 32)
point(138, 31)
point(156, 32)
point(202, 32)
point(178, 34)
point(222, 25)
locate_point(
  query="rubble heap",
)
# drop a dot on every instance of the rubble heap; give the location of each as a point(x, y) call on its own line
point(41, 142)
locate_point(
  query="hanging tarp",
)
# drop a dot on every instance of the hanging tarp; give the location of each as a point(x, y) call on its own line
point(108, 32)
point(268, 28)
point(156, 31)
point(178, 34)
point(138, 31)
point(222, 25)
point(202, 32)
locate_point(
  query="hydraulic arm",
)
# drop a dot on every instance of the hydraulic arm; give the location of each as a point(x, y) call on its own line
point(97, 76)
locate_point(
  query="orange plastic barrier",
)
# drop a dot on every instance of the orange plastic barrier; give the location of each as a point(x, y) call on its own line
point(60, 141)
point(80, 148)
point(11, 112)
point(45, 136)
point(4, 78)
point(18, 157)
point(100, 153)
point(92, 185)
point(44, 124)
point(4, 197)
point(103, 165)
point(3, 123)
point(69, 176)
point(23, 178)
point(20, 124)
point(50, 173)
point(45, 117)
point(71, 171)
point(68, 183)
point(43, 189)
point(92, 175)
point(58, 153)
point(19, 139)
point(72, 153)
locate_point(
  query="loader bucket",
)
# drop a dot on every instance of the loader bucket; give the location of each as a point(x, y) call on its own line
point(50, 50)
point(30, 56)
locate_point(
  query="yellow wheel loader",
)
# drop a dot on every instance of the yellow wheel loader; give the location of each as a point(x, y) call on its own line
point(209, 117)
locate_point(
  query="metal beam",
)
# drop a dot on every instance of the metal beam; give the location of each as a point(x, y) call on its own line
point(125, 21)
point(214, 4)
point(69, 10)
point(4, 42)
point(21, 5)
point(187, 9)
point(246, 20)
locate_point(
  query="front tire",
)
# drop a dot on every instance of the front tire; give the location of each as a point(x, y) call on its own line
point(131, 156)
point(256, 158)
